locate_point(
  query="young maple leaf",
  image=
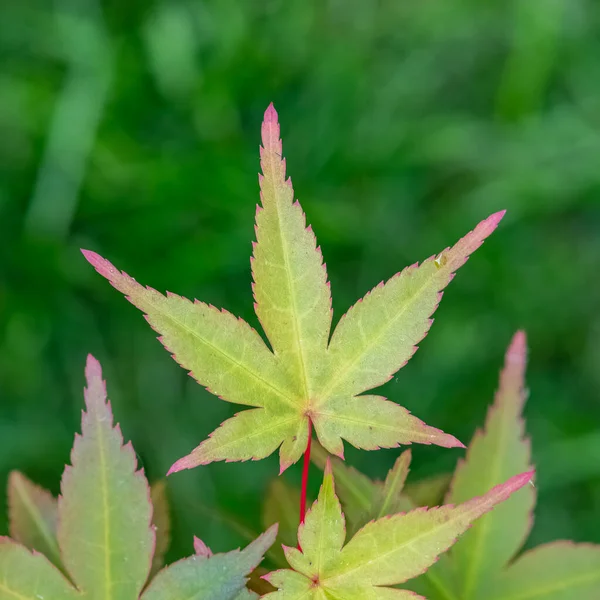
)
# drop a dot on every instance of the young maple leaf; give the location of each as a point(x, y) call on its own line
point(482, 565)
point(33, 516)
point(306, 378)
point(385, 552)
point(99, 540)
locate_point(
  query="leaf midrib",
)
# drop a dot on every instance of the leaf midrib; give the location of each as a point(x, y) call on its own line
point(105, 513)
point(290, 281)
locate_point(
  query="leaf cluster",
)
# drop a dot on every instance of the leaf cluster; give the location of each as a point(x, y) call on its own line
point(99, 540)
point(106, 535)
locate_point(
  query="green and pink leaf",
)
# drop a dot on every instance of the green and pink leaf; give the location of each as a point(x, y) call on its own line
point(104, 526)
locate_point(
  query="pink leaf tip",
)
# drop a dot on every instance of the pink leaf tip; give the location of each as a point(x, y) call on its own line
point(201, 549)
point(187, 462)
point(493, 220)
point(270, 114)
point(95, 390)
point(517, 482)
point(93, 369)
point(104, 267)
point(517, 350)
point(447, 440)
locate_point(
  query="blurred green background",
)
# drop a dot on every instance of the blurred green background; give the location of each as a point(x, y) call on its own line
point(132, 128)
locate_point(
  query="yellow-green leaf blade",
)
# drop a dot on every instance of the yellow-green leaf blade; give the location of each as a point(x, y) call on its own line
point(355, 490)
point(292, 295)
point(555, 571)
point(322, 534)
point(294, 586)
point(378, 335)
point(33, 516)
point(222, 353)
point(393, 549)
point(221, 576)
point(27, 576)
point(250, 435)
point(372, 422)
point(383, 553)
point(291, 586)
point(321, 537)
point(496, 453)
point(104, 527)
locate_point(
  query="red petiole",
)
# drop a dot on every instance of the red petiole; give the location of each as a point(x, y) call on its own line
point(306, 465)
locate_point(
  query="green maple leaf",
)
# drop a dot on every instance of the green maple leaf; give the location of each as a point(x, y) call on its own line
point(306, 377)
point(97, 542)
point(385, 552)
point(33, 516)
point(482, 565)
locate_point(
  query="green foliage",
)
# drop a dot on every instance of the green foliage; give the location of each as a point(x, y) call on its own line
point(485, 563)
point(384, 552)
point(482, 564)
point(33, 515)
point(305, 379)
point(100, 534)
point(130, 127)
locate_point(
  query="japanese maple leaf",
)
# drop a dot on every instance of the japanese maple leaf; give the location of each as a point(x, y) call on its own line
point(385, 552)
point(485, 564)
point(306, 377)
point(99, 540)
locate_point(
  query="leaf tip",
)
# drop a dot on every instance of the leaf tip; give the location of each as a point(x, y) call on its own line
point(176, 467)
point(497, 216)
point(14, 477)
point(95, 391)
point(506, 489)
point(201, 549)
point(104, 267)
point(446, 440)
point(524, 478)
point(517, 350)
point(487, 226)
point(270, 114)
point(93, 369)
point(270, 535)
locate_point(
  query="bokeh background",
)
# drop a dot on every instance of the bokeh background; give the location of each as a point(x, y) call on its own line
point(132, 128)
